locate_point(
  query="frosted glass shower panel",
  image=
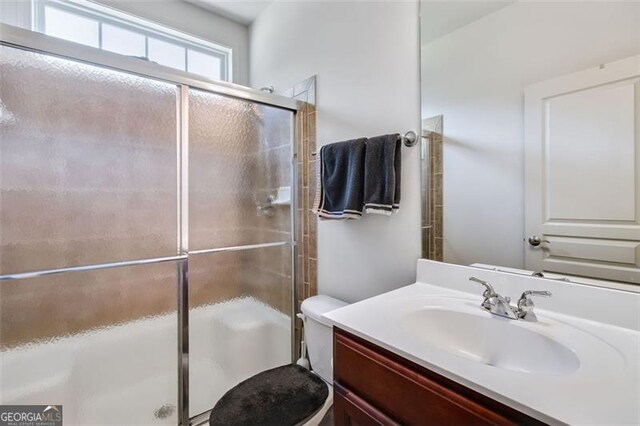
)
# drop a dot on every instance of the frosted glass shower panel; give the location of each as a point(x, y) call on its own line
point(88, 170)
point(240, 305)
point(240, 163)
point(101, 343)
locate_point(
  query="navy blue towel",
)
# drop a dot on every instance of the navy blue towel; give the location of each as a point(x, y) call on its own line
point(382, 174)
point(340, 180)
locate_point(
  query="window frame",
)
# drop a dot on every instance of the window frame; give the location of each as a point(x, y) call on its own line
point(106, 15)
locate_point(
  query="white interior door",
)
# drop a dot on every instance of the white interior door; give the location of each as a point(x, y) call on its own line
point(582, 173)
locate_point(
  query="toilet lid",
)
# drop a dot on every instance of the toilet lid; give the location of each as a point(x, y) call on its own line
point(281, 396)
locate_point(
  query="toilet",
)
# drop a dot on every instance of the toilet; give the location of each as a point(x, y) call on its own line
point(318, 336)
point(289, 394)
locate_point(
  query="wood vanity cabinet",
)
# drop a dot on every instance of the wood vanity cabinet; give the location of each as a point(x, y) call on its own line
point(373, 386)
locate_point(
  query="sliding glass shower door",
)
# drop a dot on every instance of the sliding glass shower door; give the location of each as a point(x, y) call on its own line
point(112, 187)
point(240, 223)
point(88, 188)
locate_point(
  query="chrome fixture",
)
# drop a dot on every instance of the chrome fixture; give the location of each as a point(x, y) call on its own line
point(266, 209)
point(525, 304)
point(409, 139)
point(501, 306)
point(535, 241)
point(493, 302)
point(268, 89)
point(95, 267)
point(540, 274)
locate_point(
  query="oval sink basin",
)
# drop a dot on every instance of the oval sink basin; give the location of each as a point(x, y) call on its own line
point(494, 341)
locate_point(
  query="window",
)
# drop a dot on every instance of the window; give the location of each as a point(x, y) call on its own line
point(71, 27)
point(97, 26)
point(201, 63)
point(167, 54)
point(126, 42)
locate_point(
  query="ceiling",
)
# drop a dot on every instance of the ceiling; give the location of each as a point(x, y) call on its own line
point(437, 17)
point(242, 11)
point(442, 17)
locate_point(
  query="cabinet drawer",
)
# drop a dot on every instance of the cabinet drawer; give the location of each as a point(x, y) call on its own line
point(411, 394)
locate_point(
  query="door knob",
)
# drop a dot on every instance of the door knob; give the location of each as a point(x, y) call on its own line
point(535, 241)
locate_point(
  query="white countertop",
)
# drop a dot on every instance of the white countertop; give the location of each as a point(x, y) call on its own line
point(603, 388)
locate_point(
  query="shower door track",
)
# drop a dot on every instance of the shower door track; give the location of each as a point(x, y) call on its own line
point(32, 41)
point(29, 40)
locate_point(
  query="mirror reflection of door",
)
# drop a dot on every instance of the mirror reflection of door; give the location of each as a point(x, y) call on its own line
point(541, 156)
point(582, 173)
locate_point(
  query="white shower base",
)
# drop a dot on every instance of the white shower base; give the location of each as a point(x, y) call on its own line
point(124, 374)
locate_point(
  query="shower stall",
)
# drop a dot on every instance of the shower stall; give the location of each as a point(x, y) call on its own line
point(147, 238)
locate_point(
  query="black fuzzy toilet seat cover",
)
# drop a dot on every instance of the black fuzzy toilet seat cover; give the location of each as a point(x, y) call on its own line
point(281, 396)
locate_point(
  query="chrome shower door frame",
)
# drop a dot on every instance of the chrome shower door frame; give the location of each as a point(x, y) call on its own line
point(27, 40)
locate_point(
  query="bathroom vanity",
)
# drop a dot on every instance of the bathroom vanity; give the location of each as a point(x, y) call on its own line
point(408, 392)
point(428, 353)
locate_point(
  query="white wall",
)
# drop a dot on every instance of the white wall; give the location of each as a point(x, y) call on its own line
point(365, 56)
point(175, 14)
point(475, 77)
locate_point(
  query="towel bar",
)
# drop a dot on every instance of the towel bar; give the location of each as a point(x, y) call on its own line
point(409, 139)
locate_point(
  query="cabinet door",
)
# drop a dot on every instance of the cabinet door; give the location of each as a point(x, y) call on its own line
point(351, 410)
point(378, 381)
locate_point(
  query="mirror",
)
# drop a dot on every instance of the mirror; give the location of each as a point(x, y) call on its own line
point(531, 137)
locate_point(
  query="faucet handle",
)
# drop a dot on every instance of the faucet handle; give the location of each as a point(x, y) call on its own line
point(488, 289)
point(529, 293)
point(525, 304)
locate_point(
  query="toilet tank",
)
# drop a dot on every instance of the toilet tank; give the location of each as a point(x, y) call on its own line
point(318, 333)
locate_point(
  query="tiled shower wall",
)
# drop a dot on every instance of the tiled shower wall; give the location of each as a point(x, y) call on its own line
point(432, 189)
point(307, 222)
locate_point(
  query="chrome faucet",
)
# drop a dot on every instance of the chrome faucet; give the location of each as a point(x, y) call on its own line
point(501, 306)
point(493, 302)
